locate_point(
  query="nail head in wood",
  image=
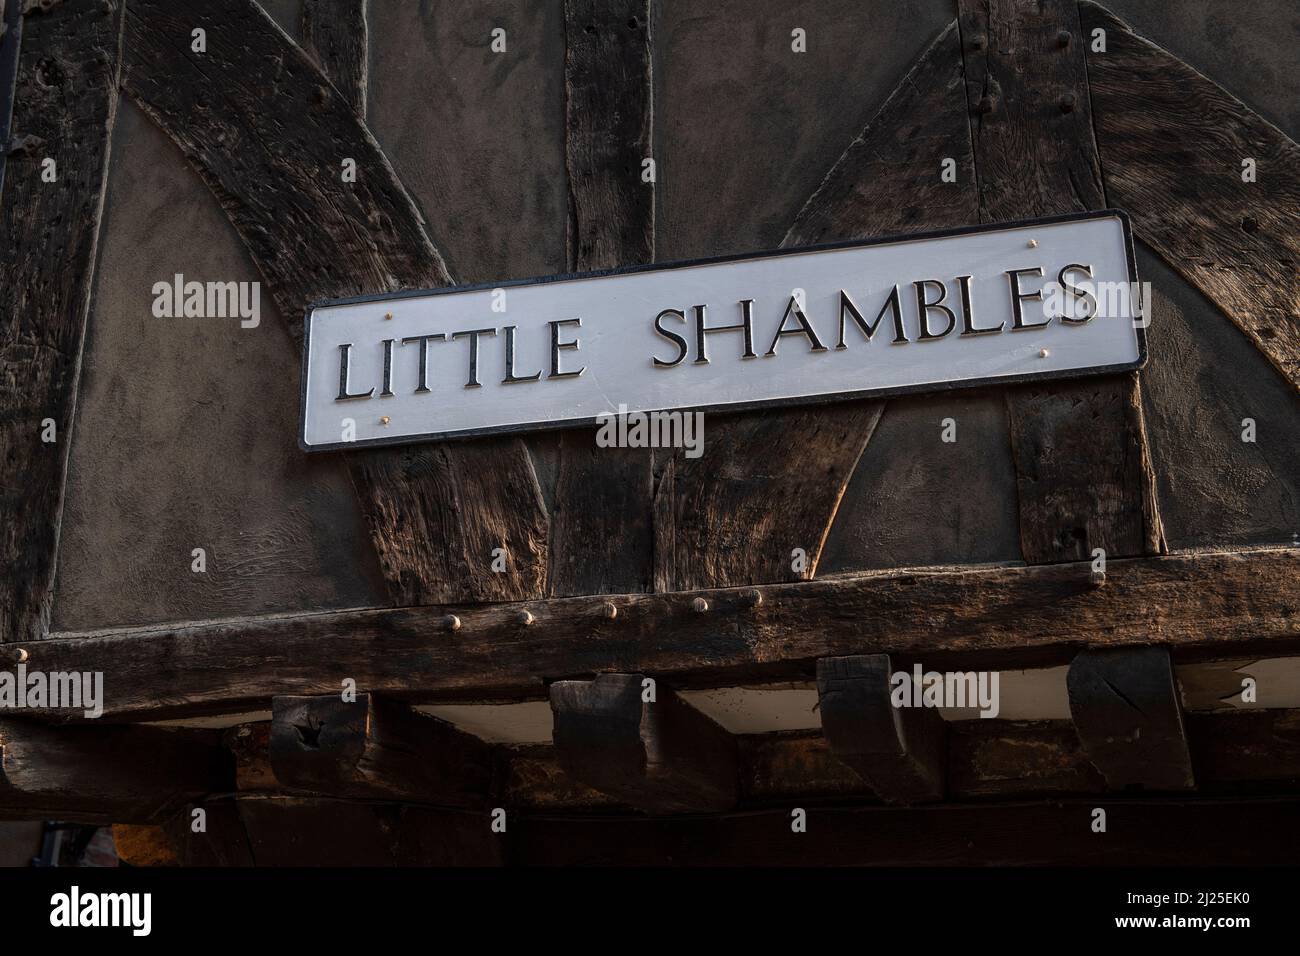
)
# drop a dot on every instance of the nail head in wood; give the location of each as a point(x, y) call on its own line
point(1067, 103)
point(609, 611)
point(986, 104)
point(525, 617)
point(753, 597)
point(385, 420)
point(1043, 353)
point(451, 622)
point(700, 605)
point(1097, 578)
point(1033, 243)
point(1063, 39)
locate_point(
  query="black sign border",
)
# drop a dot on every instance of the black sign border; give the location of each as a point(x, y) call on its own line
point(822, 399)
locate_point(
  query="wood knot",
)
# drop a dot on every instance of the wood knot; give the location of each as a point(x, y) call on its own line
point(40, 6)
point(24, 144)
point(985, 104)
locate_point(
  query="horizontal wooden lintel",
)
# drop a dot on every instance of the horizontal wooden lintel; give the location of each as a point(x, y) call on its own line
point(1201, 605)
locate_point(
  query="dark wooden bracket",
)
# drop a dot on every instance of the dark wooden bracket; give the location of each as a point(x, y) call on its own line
point(1126, 710)
point(376, 747)
point(899, 751)
point(661, 756)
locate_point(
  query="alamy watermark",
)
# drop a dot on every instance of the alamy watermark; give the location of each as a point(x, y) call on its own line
point(951, 689)
point(208, 300)
point(55, 690)
point(1084, 300)
point(626, 429)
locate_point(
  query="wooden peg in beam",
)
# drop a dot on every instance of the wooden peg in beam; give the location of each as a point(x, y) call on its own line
point(376, 747)
point(1126, 710)
point(899, 751)
point(660, 755)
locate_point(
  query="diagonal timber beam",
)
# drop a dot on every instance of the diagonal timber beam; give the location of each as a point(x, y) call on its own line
point(1126, 709)
point(900, 751)
point(1175, 148)
point(436, 513)
point(64, 107)
point(376, 747)
point(623, 735)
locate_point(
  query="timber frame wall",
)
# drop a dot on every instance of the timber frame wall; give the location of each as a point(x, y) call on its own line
point(679, 572)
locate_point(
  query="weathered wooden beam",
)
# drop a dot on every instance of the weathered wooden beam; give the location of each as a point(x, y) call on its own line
point(719, 521)
point(1203, 604)
point(334, 32)
point(608, 97)
point(112, 773)
point(436, 513)
point(1174, 147)
point(1083, 470)
point(375, 747)
point(641, 743)
point(1139, 832)
point(11, 31)
point(602, 538)
point(64, 107)
point(1125, 706)
point(899, 751)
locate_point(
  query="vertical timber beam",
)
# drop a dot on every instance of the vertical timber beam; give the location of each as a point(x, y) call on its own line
point(436, 512)
point(659, 755)
point(376, 747)
point(601, 534)
point(1083, 470)
point(11, 31)
point(50, 210)
point(900, 751)
point(334, 32)
point(1126, 710)
point(771, 482)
